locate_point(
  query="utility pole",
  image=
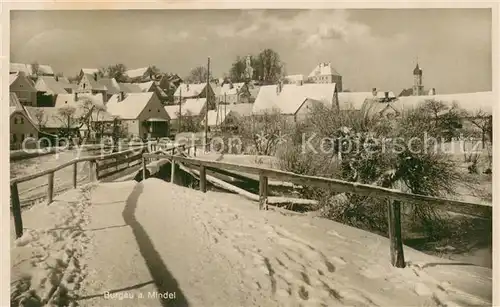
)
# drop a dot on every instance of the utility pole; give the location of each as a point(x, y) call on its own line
point(225, 106)
point(206, 111)
point(180, 110)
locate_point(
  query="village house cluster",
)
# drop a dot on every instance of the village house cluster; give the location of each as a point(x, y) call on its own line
point(40, 100)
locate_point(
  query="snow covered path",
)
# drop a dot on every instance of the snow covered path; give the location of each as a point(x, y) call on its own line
point(213, 249)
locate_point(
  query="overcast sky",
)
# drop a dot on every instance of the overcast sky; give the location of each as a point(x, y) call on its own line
point(369, 48)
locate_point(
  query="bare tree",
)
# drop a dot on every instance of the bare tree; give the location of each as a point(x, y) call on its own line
point(40, 117)
point(263, 132)
point(483, 121)
point(198, 75)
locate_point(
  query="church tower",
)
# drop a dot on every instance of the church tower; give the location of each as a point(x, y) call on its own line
point(418, 88)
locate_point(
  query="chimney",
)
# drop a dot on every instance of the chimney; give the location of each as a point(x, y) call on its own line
point(374, 92)
point(386, 95)
point(95, 76)
point(57, 78)
point(76, 96)
point(122, 96)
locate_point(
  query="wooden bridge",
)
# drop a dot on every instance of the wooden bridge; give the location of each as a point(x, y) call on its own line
point(105, 167)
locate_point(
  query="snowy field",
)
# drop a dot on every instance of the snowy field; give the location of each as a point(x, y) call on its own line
point(121, 244)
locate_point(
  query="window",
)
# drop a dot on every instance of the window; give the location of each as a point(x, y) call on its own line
point(22, 120)
point(22, 137)
point(31, 135)
point(158, 110)
point(14, 138)
point(84, 85)
point(15, 120)
point(149, 110)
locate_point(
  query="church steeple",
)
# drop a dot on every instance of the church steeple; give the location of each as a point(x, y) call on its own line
point(417, 70)
point(418, 88)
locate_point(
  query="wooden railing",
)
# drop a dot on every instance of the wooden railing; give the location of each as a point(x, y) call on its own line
point(396, 197)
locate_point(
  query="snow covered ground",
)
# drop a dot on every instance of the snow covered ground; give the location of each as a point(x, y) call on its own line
point(36, 188)
point(154, 243)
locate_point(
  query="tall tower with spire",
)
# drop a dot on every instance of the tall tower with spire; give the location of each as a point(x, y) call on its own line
point(418, 88)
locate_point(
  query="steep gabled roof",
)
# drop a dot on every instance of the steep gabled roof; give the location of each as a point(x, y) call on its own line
point(217, 117)
point(131, 107)
point(470, 102)
point(324, 69)
point(173, 111)
point(228, 90)
point(50, 86)
point(16, 76)
point(193, 106)
point(89, 71)
point(145, 86)
point(292, 96)
point(109, 84)
point(130, 88)
point(189, 90)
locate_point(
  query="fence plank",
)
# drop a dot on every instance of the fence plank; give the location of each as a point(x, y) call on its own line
point(16, 210)
point(75, 173)
point(203, 179)
point(394, 215)
point(262, 192)
point(119, 162)
point(50, 188)
point(339, 186)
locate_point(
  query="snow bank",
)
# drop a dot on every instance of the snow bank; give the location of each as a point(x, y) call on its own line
point(224, 251)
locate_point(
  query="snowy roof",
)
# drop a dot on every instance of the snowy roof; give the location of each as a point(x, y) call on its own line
point(13, 77)
point(381, 94)
point(324, 69)
point(130, 88)
point(145, 86)
point(292, 96)
point(189, 90)
point(14, 101)
point(353, 100)
point(17, 67)
point(64, 100)
point(131, 107)
point(193, 106)
point(28, 69)
point(94, 84)
point(136, 73)
point(226, 88)
point(109, 84)
point(90, 71)
point(217, 117)
point(468, 101)
point(241, 109)
point(50, 86)
point(172, 111)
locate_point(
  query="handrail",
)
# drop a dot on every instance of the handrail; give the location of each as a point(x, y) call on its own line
point(339, 185)
point(66, 164)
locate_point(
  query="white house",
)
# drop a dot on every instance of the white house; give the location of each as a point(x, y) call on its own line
point(295, 100)
point(142, 114)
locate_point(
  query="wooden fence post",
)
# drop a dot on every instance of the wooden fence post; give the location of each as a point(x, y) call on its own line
point(394, 215)
point(16, 210)
point(262, 192)
point(172, 173)
point(50, 188)
point(143, 168)
point(75, 170)
point(92, 170)
point(203, 179)
point(194, 150)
